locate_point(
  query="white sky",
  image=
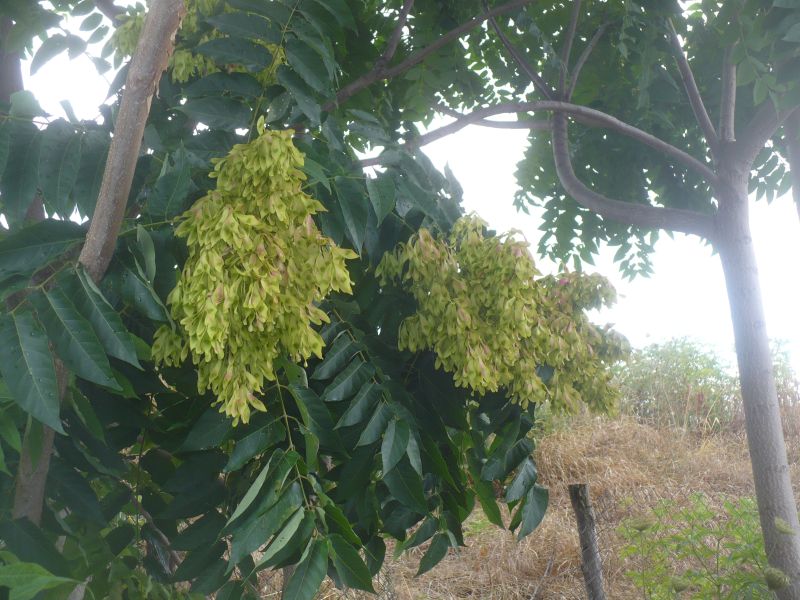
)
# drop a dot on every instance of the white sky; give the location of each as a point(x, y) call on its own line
point(684, 297)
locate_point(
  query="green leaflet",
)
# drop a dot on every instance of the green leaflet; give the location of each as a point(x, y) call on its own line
point(27, 368)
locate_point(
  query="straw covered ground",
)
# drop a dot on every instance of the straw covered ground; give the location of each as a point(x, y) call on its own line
point(629, 467)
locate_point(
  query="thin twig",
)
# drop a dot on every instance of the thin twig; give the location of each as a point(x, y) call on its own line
point(397, 34)
point(175, 559)
point(380, 74)
point(727, 132)
point(640, 215)
point(539, 83)
point(576, 72)
point(544, 576)
point(692, 91)
point(584, 114)
point(567, 49)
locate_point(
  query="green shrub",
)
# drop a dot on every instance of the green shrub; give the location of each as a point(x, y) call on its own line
point(700, 551)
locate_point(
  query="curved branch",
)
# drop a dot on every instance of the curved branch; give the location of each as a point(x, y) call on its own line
point(394, 39)
point(149, 61)
point(379, 74)
point(727, 131)
point(640, 215)
point(693, 93)
point(583, 58)
point(523, 64)
point(583, 114)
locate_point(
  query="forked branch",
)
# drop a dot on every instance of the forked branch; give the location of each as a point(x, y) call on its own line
point(523, 64)
point(380, 73)
point(640, 215)
point(692, 91)
point(583, 114)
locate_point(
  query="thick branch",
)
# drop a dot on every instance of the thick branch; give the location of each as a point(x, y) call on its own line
point(588, 116)
point(727, 109)
point(757, 133)
point(529, 125)
point(523, 64)
point(569, 39)
point(693, 93)
point(149, 61)
point(379, 74)
point(640, 215)
point(109, 9)
point(576, 72)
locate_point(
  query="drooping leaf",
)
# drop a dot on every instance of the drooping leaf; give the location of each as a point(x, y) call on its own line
point(73, 337)
point(352, 202)
point(533, 510)
point(105, 321)
point(523, 482)
point(308, 64)
point(19, 180)
point(59, 160)
point(173, 185)
point(349, 564)
point(395, 442)
point(255, 443)
point(346, 383)
point(376, 425)
point(316, 416)
point(405, 484)
point(225, 113)
point(309, 573)
point(301, 93)
point(282, 538)
point(381, 195)
point(90, 172)
point(210, 430)
point(435, 553)
point(51, 47)
point(238, 51)
point(141, 296)
point(33, 247)
point(276, 555)
point(246, 25)
point(335, 358)
point(361, 405)
point(27, 368)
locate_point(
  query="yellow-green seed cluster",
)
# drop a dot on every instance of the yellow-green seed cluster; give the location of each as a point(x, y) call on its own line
point(492, 324)
point(257, 268)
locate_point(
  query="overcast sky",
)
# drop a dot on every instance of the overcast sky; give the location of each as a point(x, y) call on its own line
point(684, 297)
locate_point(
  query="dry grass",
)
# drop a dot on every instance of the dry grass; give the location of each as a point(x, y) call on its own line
point(628, 467)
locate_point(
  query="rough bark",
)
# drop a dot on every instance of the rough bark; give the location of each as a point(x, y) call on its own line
point(591, 565)
point(150, 60)
point(762, 413)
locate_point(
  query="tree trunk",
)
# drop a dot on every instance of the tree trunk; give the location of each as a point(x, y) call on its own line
point(591, 565)
point(762, 414)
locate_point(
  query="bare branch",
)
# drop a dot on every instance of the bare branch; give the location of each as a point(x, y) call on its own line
point(583, 114)
point(693, 93)
point(379, 74)
point(530, 125)
point(149, 61)
point(640, 215)
point(727, 131)
point(757, 133)
point(576, 72)
point(566, 50)
point(394, 39)
point(539, 83)
point(109, 9)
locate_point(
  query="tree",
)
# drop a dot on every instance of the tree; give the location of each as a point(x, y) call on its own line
point(249, 345)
